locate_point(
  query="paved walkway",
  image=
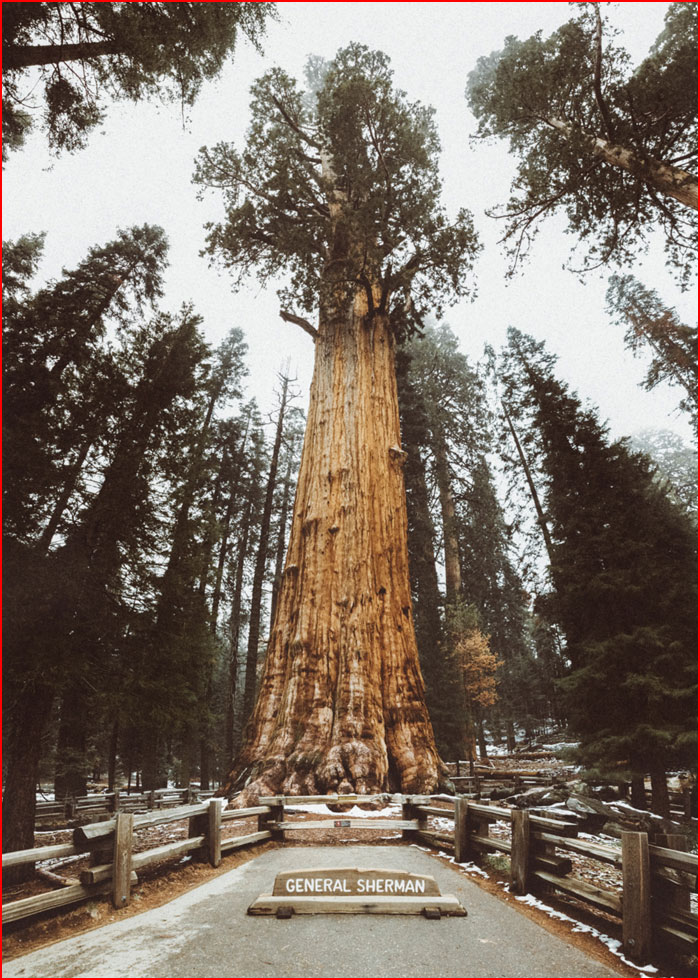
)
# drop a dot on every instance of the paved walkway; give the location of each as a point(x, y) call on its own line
point(206, 933)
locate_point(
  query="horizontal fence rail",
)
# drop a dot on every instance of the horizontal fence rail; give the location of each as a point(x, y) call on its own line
point(657, 881)
point(102, 803)
point(114, 863)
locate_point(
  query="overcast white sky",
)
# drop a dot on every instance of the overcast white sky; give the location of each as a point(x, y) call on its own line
point(137, 168)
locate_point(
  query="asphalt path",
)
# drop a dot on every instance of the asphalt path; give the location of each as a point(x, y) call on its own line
point(207, 933)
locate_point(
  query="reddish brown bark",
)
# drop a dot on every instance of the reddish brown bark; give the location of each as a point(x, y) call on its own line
point(341, 704)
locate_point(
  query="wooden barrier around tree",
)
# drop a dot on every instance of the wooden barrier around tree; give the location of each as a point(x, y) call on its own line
point(653, 903)
point(115, 839)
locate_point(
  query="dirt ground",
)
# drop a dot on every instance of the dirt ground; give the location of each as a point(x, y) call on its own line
point(159, 885)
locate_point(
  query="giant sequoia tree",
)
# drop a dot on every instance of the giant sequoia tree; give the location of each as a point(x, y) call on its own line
point(608, 145)
point(338, 189)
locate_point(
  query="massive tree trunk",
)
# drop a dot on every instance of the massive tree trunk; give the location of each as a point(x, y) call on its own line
point(341, 704)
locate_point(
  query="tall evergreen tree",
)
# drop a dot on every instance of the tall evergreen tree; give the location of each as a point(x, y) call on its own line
point(338, 188)
point(179, 645)
point(58, 636)
point(607, 144)
point(653, 326)
point(443, 691)
point(61, 377)
point(86, 53)
point(284, 397)
point(492, 586)
point(623, 577)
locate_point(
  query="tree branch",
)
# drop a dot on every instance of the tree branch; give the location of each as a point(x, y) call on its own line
point(300, 322)
point(295, 125)
point(52, 54)
point(600, 101)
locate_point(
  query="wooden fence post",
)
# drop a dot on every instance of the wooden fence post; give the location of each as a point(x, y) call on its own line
point(408, 812)
point(276, 815)
point(214, 832)
point(520, 853)
point(670, 890)
point(121, 859)
point(462, 849)
point(636, 897)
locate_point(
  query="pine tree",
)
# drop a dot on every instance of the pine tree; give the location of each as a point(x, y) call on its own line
point(61, 377)
point(607, 144)
point(443, 691)
point(338, 188)
point(180, 645)
point(623, 577)
point(89, 52)
point(493, 588)
point(651, 325)
point(284, 396)
point(59, 637)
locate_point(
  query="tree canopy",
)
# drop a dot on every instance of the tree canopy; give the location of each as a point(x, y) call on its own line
point(352, 142)
point(87, 53)
point(652, 326)
point(603, 141)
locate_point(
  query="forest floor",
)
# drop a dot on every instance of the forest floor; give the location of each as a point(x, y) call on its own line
point(594, 934)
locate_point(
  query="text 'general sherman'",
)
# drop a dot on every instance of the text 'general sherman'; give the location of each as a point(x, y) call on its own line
point(361, 886)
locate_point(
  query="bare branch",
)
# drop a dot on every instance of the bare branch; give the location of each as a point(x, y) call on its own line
point(300, 322)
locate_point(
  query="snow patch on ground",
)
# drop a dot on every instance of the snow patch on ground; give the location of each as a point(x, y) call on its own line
point(443, 823)
point(322, 809)
point(614, 945)
point(470, 868)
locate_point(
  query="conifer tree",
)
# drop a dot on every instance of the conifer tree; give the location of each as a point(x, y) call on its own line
point(653, 326)
point(607, 144)
point(443, 691)
point(338, 189)
point(623, 580)
point(64, 611)
point(86, 53)
point(61, 380)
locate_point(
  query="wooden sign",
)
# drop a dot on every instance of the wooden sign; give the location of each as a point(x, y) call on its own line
point(368, 890)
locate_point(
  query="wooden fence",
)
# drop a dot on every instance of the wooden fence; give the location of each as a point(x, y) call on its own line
point(652, 906)
point(110, 845)
point(98, 804)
